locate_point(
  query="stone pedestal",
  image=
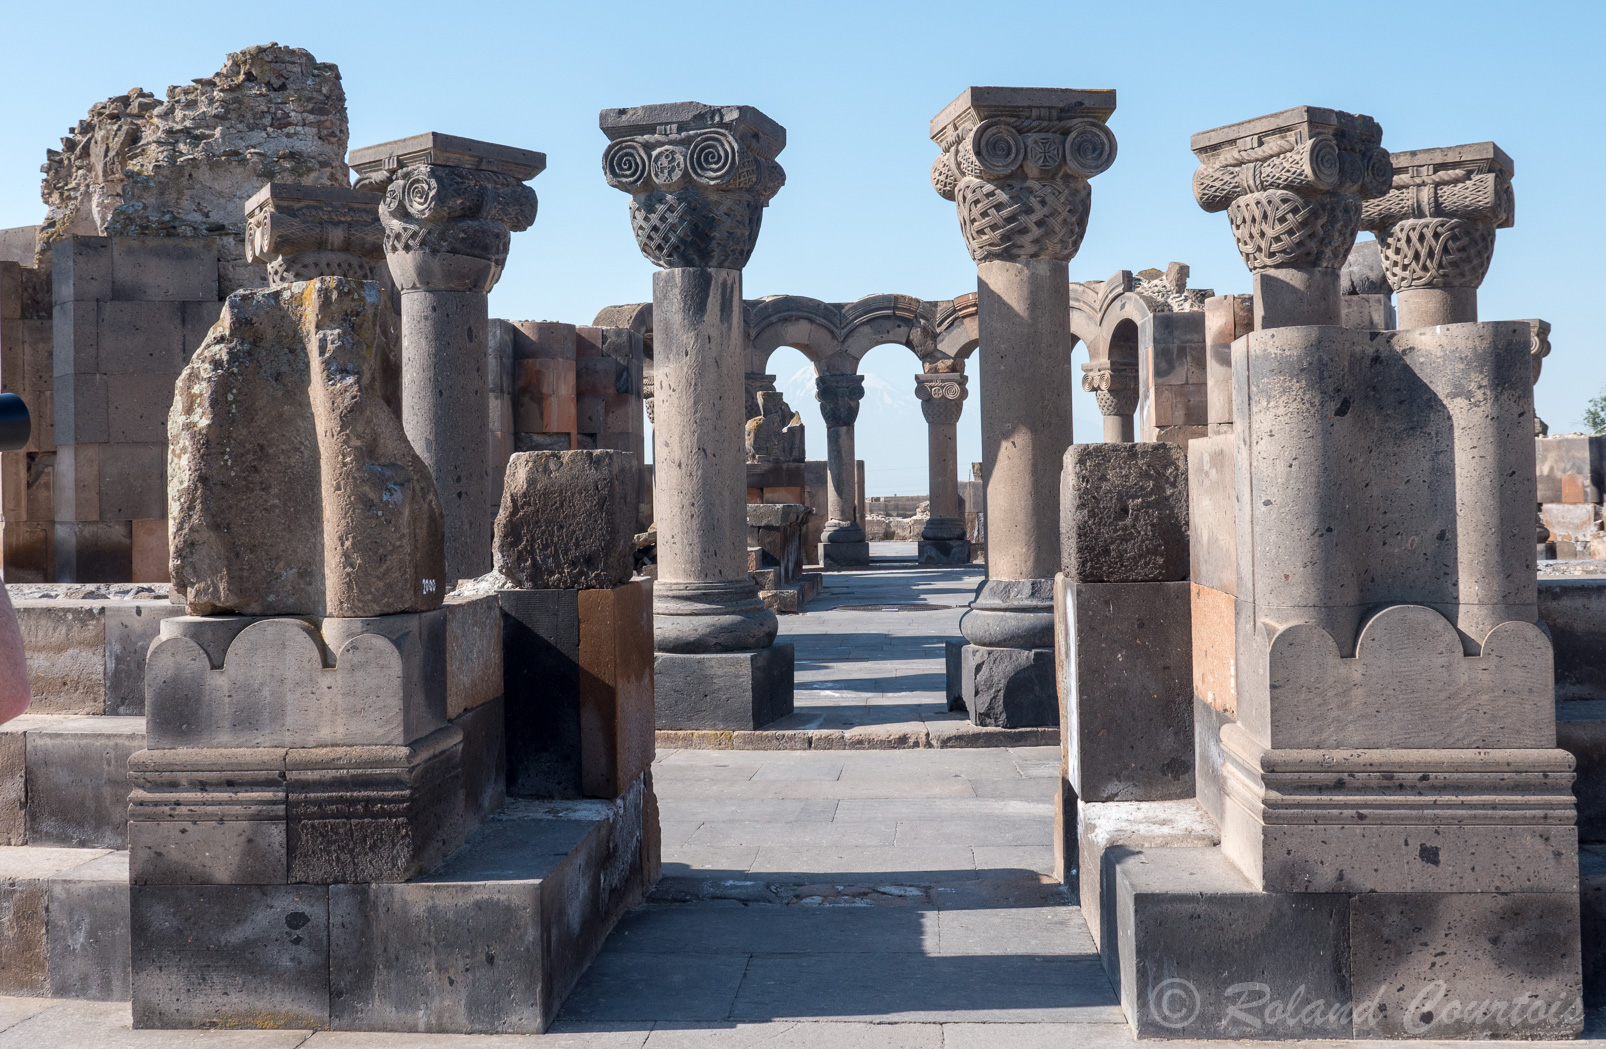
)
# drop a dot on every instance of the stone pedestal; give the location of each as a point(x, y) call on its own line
point(1016, 162)
point(842, 542)
point(449, 209)
point(725, 690)
point(942, 397)
point(699, 178)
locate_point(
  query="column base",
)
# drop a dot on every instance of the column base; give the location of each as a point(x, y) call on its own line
point(943, 552)
point(723, 690)
point(1009, 687)
point(844, 555)
point(1195, 951)
point(953, 661)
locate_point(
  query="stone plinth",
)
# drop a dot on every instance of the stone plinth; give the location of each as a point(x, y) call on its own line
point(1017, 162)
point(1292, 184)
point(699, 178)
point(449, 209)
point(724, 690)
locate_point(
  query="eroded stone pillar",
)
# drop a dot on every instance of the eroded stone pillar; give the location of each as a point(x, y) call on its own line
point(942, 399)
point(699, 178)
point(1115, 385)
point(449, 209)
point(1291, 184)
point(1436, 229)
point(842, 543)
point(1016, 162)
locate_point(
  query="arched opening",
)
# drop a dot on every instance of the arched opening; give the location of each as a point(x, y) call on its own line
point(890, 436)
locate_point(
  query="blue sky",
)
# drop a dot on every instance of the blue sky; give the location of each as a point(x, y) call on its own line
point(855, 85)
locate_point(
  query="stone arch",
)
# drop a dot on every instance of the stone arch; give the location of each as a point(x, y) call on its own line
point(955, 323)
point(808, 325)
point(881, 320)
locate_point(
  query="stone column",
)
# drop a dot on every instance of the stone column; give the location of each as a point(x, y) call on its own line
point(842, 544)
point(942, 398)
point(1436, 229)
point(756, 383)
point(449, 209)
point(1016, 162)
point(699, 178)
point(1115, 385)
point(1291, 184)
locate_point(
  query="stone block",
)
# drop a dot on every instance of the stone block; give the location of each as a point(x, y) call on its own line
point(473, 652)
point(1466, 965)
point(1009, 687)
point(141, 337)
point(844, 555)
point(544, 340)
point(76, 483)
point(1124, 513)
point(541, 683)
point(198, 320)
point(164, 269)
point(200, 816)
point(568, 520)
point(1129, 711)
point(615, 688)
point(387, 685)
point(544, 396)
point(484, 760)
point(94, 552)
point(137, 406)
point(1574, 614)
point(1213, 618)
point(1581, 732)
point(373, 813)
point(82, 409)
point(14, 779)
point(81, 269)
point(133, 483)
point(723, 690)
point(75, 340)
point(1576, 455)
point(1196, 952)
point(246, 956)
point(1212, 514)
point(78, 781)
point(337, 517)
point(1208, 760)
point(1592, 922)
point(150, 551)
point(943, 552)
point(25, 876)
point(1099, 827)
point(87, 931)
point(65, 645)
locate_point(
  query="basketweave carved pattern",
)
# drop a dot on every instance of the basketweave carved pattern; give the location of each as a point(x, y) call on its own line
point(1436, 253)
point(1281, 228)
point(695, 228)
point(1115, 388)
point(1014, 219)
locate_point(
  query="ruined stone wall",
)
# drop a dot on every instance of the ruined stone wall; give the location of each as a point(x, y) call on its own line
point(184, 167)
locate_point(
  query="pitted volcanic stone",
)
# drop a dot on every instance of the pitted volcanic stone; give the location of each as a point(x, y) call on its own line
point(568, 520)
point(1124, 513)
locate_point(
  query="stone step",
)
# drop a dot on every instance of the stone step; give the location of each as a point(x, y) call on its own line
point(65, 927)
point(64, 780)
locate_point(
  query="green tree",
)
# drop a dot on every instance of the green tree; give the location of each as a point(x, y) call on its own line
point(1595, 413)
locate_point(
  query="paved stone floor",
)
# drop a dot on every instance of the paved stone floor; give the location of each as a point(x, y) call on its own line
point(830, 899)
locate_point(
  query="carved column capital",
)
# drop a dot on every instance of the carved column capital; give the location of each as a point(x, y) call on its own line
point(839, 397)
point(1016, 162)
point(1114, 385)
point(304, 232)
point(1292, 183)
point(699, 178)
point(942, 397)
point(1436, 225)
point(450, 207)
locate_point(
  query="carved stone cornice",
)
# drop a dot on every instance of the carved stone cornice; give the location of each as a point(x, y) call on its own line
point(450, 207)
point(1292, 183)
point(942, 396)
point(1436, 226)
point(839, 397)
point(699, 178)
point(1114, 384)
point(305, 232)
point(1016, 162)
